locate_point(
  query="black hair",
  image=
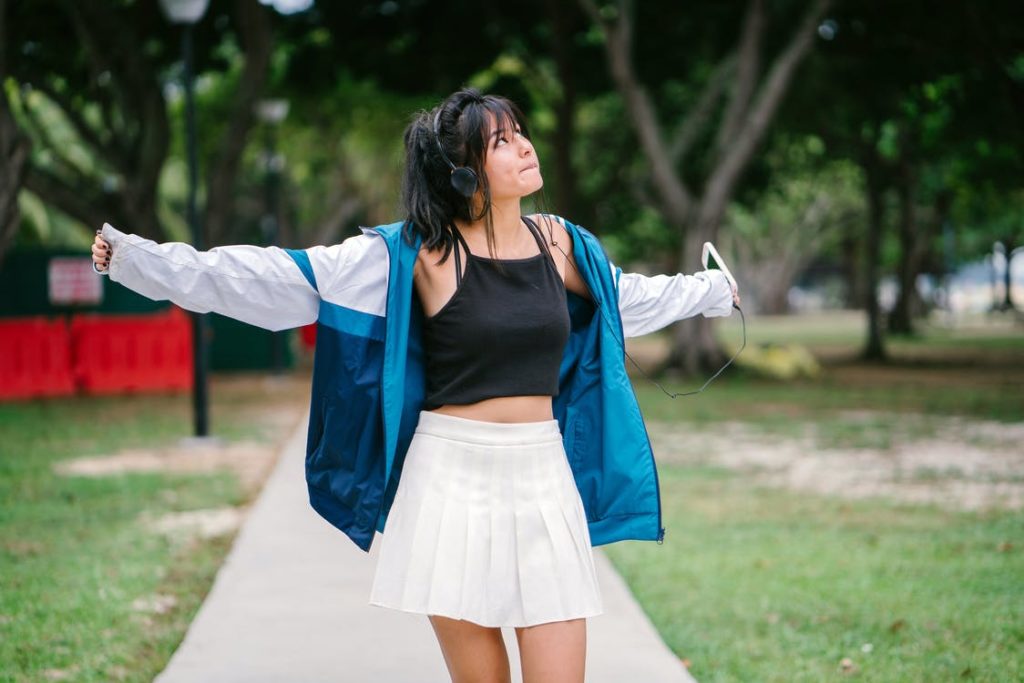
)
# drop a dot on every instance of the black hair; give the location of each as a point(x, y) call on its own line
point(430, 202)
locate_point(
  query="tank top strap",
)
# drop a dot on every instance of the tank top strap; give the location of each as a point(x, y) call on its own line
point(458, 260)
point(539, 236)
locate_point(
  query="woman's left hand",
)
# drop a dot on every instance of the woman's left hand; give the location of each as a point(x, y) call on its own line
point(736, 296)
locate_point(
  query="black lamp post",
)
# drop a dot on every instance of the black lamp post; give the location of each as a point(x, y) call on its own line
point(271, 113)
point(187, 13)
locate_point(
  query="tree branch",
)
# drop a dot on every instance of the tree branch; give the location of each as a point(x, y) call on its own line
point(84, 131)
point(98, 63)
point(257, 39)
point(618, 40)
point(691, 126)
point(341, 213)
point(727, 172)
point(748, 68)
point(89, 208)
point(41, 132)
point(14, 153)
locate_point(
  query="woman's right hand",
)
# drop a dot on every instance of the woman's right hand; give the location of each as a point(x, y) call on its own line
point(101, 252)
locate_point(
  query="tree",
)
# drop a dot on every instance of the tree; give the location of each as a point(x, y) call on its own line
point(94, 107)
point(900, 90)
point(809, 203)
point(696, 210)
point(14, 151)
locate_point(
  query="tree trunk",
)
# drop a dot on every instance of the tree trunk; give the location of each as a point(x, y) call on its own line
point(1009, 244)
point(773, 294)
point(874, 349)
point(14, 150)
point(853, 271)
point(257, 40)
point(901, 318)
point(695, 350)
point(565, 109)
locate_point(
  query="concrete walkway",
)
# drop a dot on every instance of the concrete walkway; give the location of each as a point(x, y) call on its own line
point(290, 605)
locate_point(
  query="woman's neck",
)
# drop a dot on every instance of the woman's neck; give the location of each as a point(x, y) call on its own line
point(508, 225)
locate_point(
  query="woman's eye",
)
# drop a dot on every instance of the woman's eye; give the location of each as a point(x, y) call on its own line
point(504, 138)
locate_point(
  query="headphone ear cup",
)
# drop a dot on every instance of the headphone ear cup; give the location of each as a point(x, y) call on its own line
point(464, 181)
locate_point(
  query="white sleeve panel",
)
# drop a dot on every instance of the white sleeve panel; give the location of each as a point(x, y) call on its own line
point(649, 303)
point(355, 273)
point(262, 286)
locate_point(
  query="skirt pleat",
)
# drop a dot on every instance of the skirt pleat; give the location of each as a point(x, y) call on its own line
point(487, 525)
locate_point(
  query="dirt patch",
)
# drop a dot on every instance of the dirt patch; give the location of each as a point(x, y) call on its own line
point(250, 461)
point(158, 603)
point(962, 464)
point(184, 527)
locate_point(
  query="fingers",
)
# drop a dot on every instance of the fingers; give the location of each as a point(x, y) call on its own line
point(101, 252)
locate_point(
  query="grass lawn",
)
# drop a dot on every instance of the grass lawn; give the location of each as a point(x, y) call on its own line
point(756, 584)
point(75, 559)
point(769, 584)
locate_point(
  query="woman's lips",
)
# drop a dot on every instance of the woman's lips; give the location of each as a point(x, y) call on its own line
point(530, 168)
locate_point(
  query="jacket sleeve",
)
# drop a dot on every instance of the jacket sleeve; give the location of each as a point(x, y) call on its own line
point(269, 287)
point(649, 303)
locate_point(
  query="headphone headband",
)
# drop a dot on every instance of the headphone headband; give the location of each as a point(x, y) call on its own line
point(462, 177)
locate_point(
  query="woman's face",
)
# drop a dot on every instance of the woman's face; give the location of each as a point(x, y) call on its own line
point(511, 165)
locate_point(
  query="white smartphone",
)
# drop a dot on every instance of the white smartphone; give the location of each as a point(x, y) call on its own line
point(711, 259)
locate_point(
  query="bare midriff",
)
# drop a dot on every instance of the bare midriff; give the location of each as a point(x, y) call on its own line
point(503, 409)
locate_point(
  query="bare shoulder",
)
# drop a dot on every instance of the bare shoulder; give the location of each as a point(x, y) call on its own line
point(426, 262)
point(556, 233)
point(552, 227)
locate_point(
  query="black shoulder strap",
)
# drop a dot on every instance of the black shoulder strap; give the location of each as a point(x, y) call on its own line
point(541, 242)
point(458, 260)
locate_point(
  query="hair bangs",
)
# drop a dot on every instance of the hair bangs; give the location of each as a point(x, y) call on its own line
point(480, 121)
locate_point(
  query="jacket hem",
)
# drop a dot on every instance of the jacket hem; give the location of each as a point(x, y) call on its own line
point(610, 529)
point(341, 517)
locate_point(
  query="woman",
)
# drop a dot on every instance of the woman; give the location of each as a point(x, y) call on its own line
point(498, 390)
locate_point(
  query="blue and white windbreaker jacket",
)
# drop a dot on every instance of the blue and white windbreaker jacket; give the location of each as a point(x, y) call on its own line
point(368, 376)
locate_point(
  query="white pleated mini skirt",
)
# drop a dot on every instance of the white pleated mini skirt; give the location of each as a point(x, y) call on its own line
point(487, 526)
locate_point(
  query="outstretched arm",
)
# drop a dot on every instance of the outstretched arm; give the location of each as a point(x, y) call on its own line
point(269, 287)
point(649, 303)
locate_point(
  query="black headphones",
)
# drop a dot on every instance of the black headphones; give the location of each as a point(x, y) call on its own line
point(463, 178)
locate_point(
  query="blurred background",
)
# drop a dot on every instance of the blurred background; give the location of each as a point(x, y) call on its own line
point(849, 491)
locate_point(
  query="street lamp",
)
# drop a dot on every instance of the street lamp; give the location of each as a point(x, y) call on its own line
point(271, 112)
point(187, 13)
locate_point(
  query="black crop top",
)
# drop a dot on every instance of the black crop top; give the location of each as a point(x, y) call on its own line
point(498, 335)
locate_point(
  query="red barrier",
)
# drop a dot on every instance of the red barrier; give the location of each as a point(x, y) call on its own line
point(307, 333)
point(125, 353)
point(35, 358)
